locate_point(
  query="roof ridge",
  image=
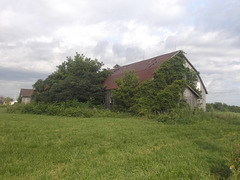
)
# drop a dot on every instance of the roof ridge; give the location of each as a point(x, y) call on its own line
point(151, 58)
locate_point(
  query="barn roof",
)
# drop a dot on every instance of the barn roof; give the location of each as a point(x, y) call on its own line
point(144, 69)
point(26, 92)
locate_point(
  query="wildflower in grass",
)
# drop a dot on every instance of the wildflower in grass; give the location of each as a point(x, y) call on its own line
point(232, 167)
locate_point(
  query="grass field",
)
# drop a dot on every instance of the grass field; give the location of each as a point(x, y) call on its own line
point(51, 147)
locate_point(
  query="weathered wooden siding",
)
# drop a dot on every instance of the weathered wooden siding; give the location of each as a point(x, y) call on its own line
point(26, 100)
point(108, 99)
point(191, 98)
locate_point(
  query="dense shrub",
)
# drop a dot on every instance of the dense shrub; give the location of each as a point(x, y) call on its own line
point(16, 108)
point(181, 116)
point(125, 95)
point(52, 109)
point(69, 108)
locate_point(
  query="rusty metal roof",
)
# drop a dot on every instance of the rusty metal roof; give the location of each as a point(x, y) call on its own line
point(144, 69)
point(26, 92)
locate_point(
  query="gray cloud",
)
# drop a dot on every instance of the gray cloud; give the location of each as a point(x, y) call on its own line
point(12, 80)
point(9, 74)
point(220, 15)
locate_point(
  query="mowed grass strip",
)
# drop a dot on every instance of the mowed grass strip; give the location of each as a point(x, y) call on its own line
point(51, 147)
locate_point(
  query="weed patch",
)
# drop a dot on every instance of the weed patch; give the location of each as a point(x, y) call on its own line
point(69, 109)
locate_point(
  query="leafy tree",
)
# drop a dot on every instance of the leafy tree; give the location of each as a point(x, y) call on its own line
point(7, 100)
point(79, 78)
point(124, 96)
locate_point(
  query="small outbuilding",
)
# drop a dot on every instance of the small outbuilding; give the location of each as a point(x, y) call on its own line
point(145, 70)
point(26, 95)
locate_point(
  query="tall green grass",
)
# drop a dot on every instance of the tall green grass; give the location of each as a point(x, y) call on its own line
point(69, 109)
point(57, 147)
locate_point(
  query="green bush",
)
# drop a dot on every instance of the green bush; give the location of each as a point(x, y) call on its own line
point(183, 116)
point(52, 109)
point(16, 108)
point(69, 108)
point(78, 112)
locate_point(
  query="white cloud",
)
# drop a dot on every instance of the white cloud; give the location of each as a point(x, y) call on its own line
point(138, 34)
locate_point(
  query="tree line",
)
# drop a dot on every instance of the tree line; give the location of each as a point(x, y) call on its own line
point(218, 106)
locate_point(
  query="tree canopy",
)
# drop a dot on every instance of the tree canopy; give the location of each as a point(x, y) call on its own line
point(127, 90)
point(79, 78)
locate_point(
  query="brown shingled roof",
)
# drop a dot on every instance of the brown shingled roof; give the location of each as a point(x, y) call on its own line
point(26, 92)
point(144, 69)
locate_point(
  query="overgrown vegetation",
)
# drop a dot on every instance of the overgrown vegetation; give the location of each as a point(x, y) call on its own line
point(87, 110)
point(79, 78)
point(57, 147)
point(160, 95)
point(125, 95)
point(68, 108)
point(218, 106)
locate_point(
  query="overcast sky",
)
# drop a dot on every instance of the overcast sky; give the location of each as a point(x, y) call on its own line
point(36, 36)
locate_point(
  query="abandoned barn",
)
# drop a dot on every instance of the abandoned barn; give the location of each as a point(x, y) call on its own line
point(145, 70)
